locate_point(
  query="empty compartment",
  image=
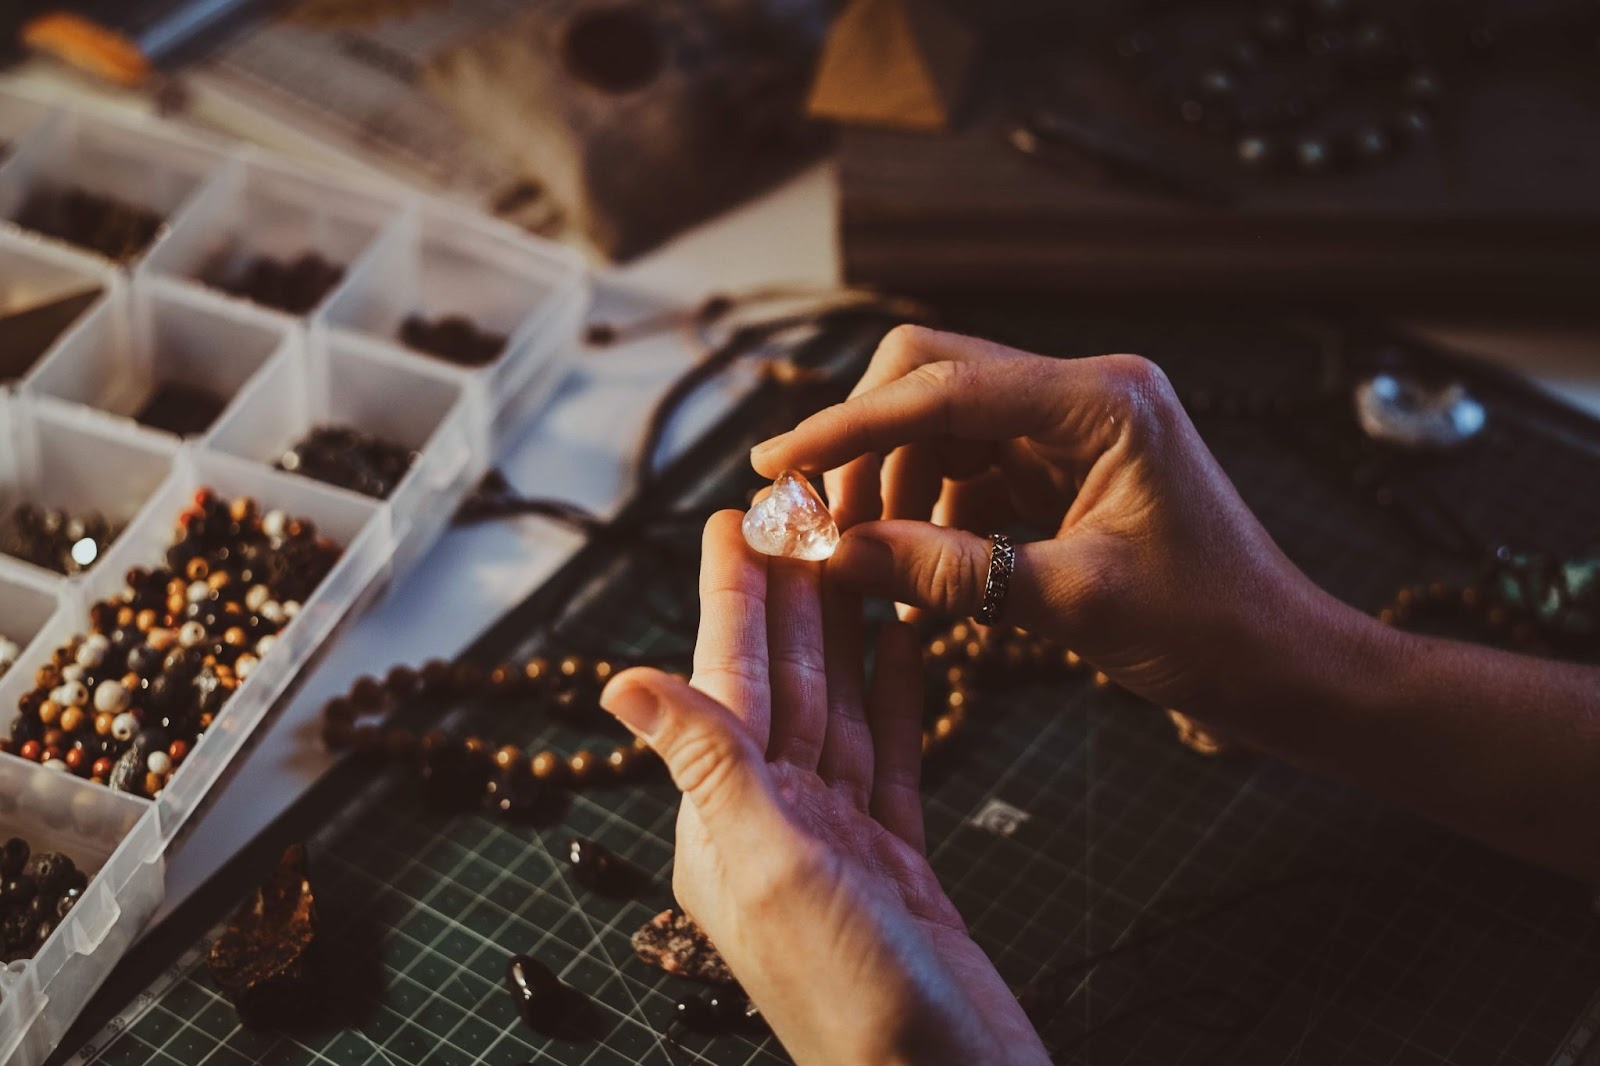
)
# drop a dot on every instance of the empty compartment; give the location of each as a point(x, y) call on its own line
point(44, 291)
point(103, 188)
point(19, 117)
point(281, 238)
point(174, 367)
point(453, 287)
point(68, 484)
point(27, 603)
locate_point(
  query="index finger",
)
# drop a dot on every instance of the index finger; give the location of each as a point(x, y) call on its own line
point(987, 401)
point(730, 653)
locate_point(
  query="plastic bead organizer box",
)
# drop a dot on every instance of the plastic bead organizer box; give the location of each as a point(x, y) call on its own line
point(67, 440)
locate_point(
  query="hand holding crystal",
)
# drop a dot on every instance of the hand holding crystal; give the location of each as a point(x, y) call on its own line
point(1149, 555)
point(799, 841)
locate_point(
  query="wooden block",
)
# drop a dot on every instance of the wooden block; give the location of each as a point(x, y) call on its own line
point(895, 63)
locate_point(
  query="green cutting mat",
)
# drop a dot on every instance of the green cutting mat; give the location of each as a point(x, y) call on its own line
point(1177, 909)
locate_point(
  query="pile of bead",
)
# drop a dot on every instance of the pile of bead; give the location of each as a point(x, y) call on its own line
point(124, 703)
point(52, 538)
point(37, 889)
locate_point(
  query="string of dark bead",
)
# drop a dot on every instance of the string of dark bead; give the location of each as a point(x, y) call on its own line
point(124, 703)
point(1343, 51)
point(37, 890)
point(464, 773)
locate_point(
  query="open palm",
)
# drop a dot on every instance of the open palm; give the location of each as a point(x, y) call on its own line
point(800, 838)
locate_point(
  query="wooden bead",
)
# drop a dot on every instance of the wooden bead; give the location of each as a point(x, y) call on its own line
point(571, 666)
point(366, 739)
point(1071, 659)
point(507, 756)
point(927, 743)
point(31, 750)
point(504, 677)
point(336, 734)
point(125, 616)
point(177, 750)
point(367, 694)
point(400, 744)
point(547, 766)
point(340, 709)
point(957, 699)
point(621, 761)
point(1471, 596)
point(536, 670)
point(145, 620)
point(436, 677)
point(75, 759)
point(943, 728)
point(233, 636)
point(1102, 679)
point(101, 768)
point(584, 766)
point(602, 671)
point(72, 720)
point(402, 682)
point(197, 570)
point(102, 723)
point(49, 712)
point(940, 648)
point(152, 784)
point(468, 678)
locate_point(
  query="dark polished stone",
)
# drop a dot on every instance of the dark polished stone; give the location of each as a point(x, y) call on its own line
point(13, 857)
point(549, 1007)
point(597, 869)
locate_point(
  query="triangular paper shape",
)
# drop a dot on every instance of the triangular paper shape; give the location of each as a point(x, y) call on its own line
point(899, 63)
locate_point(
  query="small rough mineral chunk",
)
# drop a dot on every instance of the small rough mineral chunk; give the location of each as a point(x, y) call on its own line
point(265, 960)
point(671, 941)
point(791, 521)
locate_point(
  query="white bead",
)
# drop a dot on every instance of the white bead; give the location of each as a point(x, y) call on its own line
point(291, 609)
point(73, 672)
point(98, 640)
point(111, 697)
point(72, 694)
point(191, 634)
point(53, 764)
point(273, 523)
point(272, 611)
point(159, 763)
point(9, 650)
point(198, 591)
point(258, 595)
point(245, 665)
point(124, 726)
point(89, 654)
point(264, 645)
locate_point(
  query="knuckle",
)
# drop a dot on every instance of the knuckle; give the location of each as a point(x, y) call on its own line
point(902, 345)
point(953, 578)
point(704, 764)
point(1139, 381)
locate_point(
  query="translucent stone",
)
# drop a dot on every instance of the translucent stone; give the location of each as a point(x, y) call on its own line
point(791, 521)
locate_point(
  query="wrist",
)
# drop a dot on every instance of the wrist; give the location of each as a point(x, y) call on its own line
point(1311, 653)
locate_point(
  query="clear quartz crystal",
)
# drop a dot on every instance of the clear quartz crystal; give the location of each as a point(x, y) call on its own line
point(791, 521)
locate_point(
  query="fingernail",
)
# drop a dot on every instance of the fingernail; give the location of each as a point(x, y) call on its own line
point(635, 706)
point(768, 445)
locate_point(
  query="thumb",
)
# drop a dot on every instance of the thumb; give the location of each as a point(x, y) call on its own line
point(709, 753)
point(936, 568)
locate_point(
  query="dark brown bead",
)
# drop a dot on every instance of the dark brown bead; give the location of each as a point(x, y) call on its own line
point(336, 734)
point(433, 740)
point(548, 766)
point(340, 709)
point(197, 569)
point(585, 766)
point(602, 671)
point(401, 744)
point(402, 682)
point(571, 666)
point(367, 694)
point(475, 746)
point(366, 739)
point(537, 670)
point(437, 677)
point(101, 768)
point(503, 677)
point(468, 678)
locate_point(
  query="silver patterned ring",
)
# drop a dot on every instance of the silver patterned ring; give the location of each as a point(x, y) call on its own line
point(1002, 564)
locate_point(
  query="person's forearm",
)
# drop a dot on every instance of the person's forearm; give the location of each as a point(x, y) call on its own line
point(1502, 747)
